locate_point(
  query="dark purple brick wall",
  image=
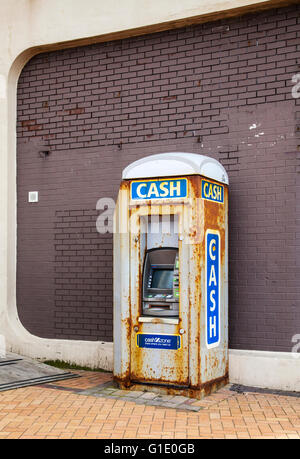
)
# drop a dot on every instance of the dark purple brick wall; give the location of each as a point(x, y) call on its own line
point(83, 277)
point(221, 89)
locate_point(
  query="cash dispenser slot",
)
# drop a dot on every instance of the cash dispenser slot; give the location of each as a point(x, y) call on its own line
point(157, 306)
point(161, 282)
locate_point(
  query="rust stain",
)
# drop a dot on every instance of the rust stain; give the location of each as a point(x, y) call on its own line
point(35, 127)
point(208, 387)
point(168, 98)
point(71, 111)
point(27, 123)
point(76, 111)
point(31, 125)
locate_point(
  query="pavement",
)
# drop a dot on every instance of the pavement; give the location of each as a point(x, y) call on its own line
point(90, 406)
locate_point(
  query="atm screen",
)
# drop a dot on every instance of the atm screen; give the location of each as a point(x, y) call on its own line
point(162, 278)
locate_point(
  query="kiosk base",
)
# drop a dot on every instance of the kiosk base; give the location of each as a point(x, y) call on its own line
point(166, 389)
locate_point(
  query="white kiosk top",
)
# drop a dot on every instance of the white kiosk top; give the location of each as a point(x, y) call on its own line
point(176, 164)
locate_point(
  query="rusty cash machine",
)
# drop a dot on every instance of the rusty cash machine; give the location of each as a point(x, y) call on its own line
point(171, 275)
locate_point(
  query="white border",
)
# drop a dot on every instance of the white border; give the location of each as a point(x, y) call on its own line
point(265, 369)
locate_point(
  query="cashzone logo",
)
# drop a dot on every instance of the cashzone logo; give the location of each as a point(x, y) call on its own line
point(159, 189)
point(151, 341)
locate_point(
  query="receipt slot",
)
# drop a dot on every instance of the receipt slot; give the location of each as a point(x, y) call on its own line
point(171, 275)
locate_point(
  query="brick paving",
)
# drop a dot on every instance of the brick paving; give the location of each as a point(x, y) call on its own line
point(78, 408)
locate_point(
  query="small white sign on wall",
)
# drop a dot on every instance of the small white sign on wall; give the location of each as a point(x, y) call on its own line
point(33, 196)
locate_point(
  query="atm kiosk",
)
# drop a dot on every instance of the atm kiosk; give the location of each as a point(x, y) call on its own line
point(171, 275)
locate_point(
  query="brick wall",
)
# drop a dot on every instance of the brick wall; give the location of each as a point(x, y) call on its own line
point(83, 277)
point(222, 89)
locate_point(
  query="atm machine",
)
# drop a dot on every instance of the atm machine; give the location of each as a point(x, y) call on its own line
point(171, 275)
point(161, 283)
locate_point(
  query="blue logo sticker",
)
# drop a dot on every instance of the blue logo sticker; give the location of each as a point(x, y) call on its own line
point(159, 189)
point(212, 288)
point(148, 341)
point(212, 191)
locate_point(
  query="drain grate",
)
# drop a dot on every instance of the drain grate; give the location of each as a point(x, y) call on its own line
point(243, 389)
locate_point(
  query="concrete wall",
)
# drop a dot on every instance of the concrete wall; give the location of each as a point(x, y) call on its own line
point(32, 26)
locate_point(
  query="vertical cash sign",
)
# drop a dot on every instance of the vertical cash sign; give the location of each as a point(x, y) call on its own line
point(212, 257)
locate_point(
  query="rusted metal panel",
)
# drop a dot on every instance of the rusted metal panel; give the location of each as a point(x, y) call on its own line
point(167, 366)
point(122, 317)
point(214, 362)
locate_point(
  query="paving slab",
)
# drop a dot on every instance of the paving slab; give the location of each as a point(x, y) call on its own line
point(142, 397)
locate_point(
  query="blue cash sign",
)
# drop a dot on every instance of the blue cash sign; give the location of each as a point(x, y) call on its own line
point(159, 189)
point(212, 191)
point(212, 265)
